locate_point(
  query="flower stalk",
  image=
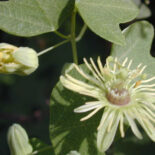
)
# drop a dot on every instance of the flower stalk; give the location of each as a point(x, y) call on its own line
point(73, 37)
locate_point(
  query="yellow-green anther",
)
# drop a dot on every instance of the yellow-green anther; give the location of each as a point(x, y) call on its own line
point(18, 141)
point(14, 60)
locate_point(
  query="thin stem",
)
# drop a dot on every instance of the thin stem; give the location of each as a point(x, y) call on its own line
point(52, 47)
point(72, 39)
point(61, 35)
point(83, 30)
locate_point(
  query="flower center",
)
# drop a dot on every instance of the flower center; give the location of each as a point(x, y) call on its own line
point(118, 96)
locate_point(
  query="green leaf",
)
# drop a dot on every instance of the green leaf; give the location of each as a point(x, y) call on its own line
point(139, 38)
point(66, 131)
point(40, 148)
point(104, 16)
point(33, 17)
point(144, 12)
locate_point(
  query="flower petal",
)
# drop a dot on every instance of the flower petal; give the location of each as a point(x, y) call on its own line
point(104, 138)
point(91, 114)
point(133, 125)
point(146, 124)
point(104, 117)
point(79, 86)
point(87, 107)
point(122, 126)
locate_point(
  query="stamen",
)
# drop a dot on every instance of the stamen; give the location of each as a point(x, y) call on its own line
point(111, 121)
point(97, 71)
point(78, 82)
point(107, 64)
point(87, 76)
point(91, 114)
point(145, 123)
point(143, 86)
point(150, 105)
point(146, 89)
point(129, 64)
point(141, 71)
point(125, 61)
point(91, 69)
point(150, 93)
point(114, 69)
point(88, 107)
point(148, 80)
point(146, 86)
point(93, 102)
point(122, 126)
point(147, 115)
point(149, 126)
point(139, 66)
point(100, 65)
point(146, 108)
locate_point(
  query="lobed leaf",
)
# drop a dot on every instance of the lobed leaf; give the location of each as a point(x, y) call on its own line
point(104, 16)
point(33, 17)
point(144, 12)
point(139, 38)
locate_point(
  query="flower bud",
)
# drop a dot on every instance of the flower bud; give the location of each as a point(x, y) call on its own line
point(14, 60)
point(18, 140)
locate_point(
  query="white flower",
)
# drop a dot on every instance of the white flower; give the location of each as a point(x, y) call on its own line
point(125, 95)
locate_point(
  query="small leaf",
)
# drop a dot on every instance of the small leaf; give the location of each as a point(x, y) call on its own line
point(104, 16)
point(66, 131)
point(139, 38)
point(33, 17)
point(40, 148)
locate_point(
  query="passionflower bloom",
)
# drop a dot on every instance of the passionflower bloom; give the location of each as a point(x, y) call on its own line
point(125, 94)
point(17, 60)
point(18, 141)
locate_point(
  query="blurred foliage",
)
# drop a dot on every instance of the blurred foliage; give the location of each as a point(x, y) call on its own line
point(25, 100)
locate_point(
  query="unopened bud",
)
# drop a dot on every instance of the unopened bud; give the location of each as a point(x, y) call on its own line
point(14, 60)
point(18, 141)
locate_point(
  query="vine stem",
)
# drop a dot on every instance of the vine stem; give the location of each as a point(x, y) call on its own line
point(73, 38)
point(52, 47)
point(61, 35)
point(83, 30)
